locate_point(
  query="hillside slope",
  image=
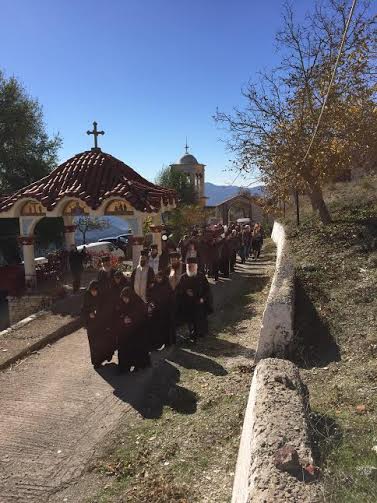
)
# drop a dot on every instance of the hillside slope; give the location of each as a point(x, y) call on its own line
point(336, 324)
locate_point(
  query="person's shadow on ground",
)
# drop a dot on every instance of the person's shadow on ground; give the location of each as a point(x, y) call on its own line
point(149, 390)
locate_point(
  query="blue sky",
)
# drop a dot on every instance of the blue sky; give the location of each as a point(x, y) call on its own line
point(150, 72)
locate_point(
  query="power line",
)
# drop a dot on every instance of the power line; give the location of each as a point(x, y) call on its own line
point(332, 78)
point(238, 174)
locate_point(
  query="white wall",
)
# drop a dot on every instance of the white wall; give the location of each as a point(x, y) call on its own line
point(277, 331)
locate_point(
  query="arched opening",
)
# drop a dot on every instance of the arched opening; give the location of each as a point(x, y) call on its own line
point(49, 236)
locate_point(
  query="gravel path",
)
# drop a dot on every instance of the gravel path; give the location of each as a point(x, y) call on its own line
point(56, 412)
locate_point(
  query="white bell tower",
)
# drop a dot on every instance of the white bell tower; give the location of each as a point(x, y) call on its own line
point(195, 171)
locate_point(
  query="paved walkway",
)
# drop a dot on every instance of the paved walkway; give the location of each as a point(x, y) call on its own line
point(56, 411)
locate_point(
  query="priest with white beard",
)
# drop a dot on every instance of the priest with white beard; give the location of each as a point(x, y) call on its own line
point(142, 277)
point(154, 259)
point(194, 297)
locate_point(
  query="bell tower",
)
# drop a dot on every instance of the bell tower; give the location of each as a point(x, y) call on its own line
point(195, 171)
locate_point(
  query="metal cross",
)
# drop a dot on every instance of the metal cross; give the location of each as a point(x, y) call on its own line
point(95, 133)
point(186, 146)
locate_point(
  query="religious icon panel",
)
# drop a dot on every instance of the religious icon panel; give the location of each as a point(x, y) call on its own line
point(32, 209)
point(119, 207)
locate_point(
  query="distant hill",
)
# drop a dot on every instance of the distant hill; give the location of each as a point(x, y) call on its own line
point(218, 193)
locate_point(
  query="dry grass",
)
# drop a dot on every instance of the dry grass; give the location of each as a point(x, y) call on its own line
point(336, 325)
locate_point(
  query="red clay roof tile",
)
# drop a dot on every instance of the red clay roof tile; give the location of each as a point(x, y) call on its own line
point(93, 176)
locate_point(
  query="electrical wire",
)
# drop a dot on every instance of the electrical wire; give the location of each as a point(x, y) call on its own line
point(332, 78)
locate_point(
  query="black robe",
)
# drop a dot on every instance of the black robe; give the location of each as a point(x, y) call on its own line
point(225, 257)
point(105, 282)
point(161, 321)
point(133, 350)
point(194, 312)
point(100, 343)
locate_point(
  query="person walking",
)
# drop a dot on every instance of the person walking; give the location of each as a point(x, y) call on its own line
point(76, 261)
point(133, 349)
point(101, 348)
point(142, 277)
point(195, 300)
point(257, 241)
point(160, 312)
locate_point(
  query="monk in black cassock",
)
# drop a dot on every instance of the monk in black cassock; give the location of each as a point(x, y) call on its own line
point(119, 281)
point(93, 321)
point(195, 300)
point(105, 280)
point(175, 271)
point(105, 277)
point(225, 256)
point(133, 348)
point(160, 309)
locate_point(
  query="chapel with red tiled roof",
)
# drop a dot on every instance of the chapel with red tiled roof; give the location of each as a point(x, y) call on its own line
point(92, 183)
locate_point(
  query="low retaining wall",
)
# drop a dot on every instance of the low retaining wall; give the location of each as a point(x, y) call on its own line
point(275, 461)
point(276, 335)
point(22, 307)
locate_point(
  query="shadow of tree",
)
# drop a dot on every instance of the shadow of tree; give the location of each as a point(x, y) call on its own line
point(315, 346)
point(190, 360)
point(326, 435)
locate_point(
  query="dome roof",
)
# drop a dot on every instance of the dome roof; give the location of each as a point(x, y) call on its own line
point(187, 159)
point(93, 176)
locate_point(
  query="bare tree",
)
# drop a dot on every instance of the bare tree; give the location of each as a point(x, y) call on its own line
point(274, 129)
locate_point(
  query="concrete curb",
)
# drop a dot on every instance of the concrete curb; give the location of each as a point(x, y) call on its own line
point(66, 329)
point(276, 335)
point(22, 323)
point(276, 417)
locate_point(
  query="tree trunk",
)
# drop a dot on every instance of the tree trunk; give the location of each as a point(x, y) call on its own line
point(319, 205)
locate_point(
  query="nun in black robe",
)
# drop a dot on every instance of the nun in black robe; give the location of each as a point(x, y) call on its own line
point(161, 322)
point(92, 315)
point(107, 295)
point(225, 257)
point(133, 350)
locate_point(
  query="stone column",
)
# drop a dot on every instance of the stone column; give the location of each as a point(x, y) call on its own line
point(156, 235)
point(137, 246)
point(69, 236)
point(27, 243)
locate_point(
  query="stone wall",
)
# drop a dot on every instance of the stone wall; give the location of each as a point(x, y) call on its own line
point(22, 307)
point(275, 463)
point(276, 335)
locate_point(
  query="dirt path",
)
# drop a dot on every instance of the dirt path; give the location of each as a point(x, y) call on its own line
point(57, 415)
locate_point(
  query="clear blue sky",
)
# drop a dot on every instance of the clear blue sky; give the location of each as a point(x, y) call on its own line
point(151, 72)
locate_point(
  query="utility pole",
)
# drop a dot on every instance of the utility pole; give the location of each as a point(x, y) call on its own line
point(297, 208)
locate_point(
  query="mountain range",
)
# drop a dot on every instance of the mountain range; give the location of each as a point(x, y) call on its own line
point(216, 194)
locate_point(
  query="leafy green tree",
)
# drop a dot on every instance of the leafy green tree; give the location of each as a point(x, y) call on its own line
point(26, 151)
point(177, 180)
